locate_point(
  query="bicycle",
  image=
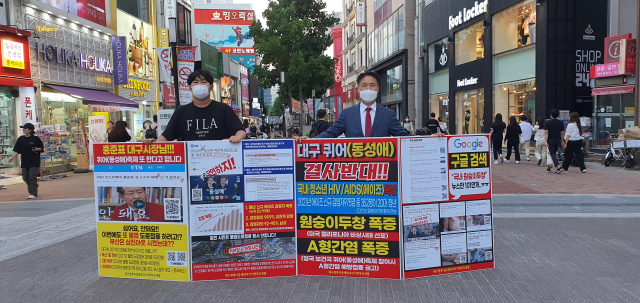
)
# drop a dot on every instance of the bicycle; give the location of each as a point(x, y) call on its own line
point(618, 152)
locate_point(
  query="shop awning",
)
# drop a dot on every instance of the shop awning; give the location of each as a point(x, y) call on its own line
point(111, 109)
point(615, 90)
point(96, 97)
point(9, 81)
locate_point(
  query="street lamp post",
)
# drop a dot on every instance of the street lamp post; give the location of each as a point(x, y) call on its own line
point(173, 42)
point(284, 118)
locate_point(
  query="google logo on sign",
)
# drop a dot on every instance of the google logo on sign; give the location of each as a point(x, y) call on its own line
point(471, 144)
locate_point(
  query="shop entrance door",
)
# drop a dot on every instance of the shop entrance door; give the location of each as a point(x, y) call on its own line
point(470, 112)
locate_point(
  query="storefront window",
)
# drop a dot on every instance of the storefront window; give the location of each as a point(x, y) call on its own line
point(470, 44)
point(439, 104)
point(7, 128)
point(514, 27)
point(439, 55)
point(470, 112)
point(515, 99)
point(392, 85)
point(613, 112)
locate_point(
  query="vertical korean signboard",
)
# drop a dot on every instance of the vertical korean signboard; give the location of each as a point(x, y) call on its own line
point(141, 210)
point(242, 209)
point(347, 201)
point(186, 61)
point(447, 211)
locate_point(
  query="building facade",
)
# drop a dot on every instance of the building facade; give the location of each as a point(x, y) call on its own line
point(354, 51)
point(390, 52)
point(510, 57)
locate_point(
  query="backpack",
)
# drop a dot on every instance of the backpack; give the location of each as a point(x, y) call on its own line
point(314, 129)
point(151, 133)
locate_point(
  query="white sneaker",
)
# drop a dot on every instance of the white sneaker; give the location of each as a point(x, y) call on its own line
point(495, 162)
point(517, 162)
point(502, 159)
point(528, 159)
point(31, 197)
point(505, 160)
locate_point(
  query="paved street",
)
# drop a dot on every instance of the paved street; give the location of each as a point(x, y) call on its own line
point(549, 248)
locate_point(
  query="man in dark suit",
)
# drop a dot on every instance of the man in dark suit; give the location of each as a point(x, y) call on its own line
point(366, 119)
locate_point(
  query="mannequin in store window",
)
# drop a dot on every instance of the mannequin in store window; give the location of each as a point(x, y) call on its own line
point(467, 119)
point(531, 25)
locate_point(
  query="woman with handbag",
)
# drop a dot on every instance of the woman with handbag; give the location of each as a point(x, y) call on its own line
point(513, 139)
point(541, 147)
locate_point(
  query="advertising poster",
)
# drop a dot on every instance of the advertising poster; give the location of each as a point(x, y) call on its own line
point(347, 205)
point(228, 30)
point(186, 62)
point(141, 210)
point(140, 52)
point(92, 10)
point(242, 209)
point(164, 57)
point(446, 197)
point(164, 115)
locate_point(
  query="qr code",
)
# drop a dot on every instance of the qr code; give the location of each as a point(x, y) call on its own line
point(463, 258)
point(488, 255)
point(443, 150)
point(461, 225)
point(172, 209)
point(177, 258)
point(487, 220)
point(196, 194)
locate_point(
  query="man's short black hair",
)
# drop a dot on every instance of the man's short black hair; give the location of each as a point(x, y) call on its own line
point(321, 113)
point(155, 118)
point(555, 113)
point(120, 190)
point(200, 73)
point(296, 131)
point(433, 115)
point(369, 73)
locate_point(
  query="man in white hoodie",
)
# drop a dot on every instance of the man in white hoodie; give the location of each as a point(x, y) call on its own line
point(526, 134)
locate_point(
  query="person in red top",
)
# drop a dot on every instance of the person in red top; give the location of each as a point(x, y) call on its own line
point(136, 207)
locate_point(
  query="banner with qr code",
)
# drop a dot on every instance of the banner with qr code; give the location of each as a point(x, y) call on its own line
point(347, 201)
point(242, 210)
point(143, 251)
point(138, 184)
point(447, 210)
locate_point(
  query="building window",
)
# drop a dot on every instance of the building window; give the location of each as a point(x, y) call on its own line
point(184, 25)
point(388, 38)
point(136, 8)
point(515, 99)
point(439, 55)
point(514, 27)
point(470, 44)
point(392, 85)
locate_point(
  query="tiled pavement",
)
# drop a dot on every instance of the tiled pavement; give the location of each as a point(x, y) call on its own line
point(560, 259)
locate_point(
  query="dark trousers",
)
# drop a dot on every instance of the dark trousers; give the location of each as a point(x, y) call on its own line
point(30, 176)
point(497, 148)
point(515, 145)
point(574, 149)
point(554, 143)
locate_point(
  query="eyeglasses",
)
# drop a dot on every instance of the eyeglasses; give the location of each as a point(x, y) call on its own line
point(131, 194)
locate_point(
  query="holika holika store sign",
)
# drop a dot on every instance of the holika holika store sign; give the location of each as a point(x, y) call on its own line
point(72, 58)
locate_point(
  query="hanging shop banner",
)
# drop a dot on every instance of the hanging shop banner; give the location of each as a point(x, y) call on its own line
point(164, 57)
point(163, 37)
point(186, 61)
point(120, 61)
point(27, 105)
point(347, 203)
point(169, 94)
point(447, 210)
point(211, 60)
point(360, 13)
point(628, 52)
point(141, 210)
point(164, 115)
point(242, 209)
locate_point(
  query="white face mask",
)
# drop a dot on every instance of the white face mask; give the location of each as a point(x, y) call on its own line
point(200, 91)
point(406, 120)
point(368, 95)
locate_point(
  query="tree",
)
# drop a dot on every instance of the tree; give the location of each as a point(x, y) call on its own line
point(265, 110)
point(276, 108)
point(293, 42)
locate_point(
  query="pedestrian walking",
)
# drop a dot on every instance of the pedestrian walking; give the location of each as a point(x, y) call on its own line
point(527, 129)
point(29, 147)
point(433, 125)
point(202, 119)
point(119, 133)
point(320, 125)
point(554, 136)
point(541, 146)
point(497, 130)
point(573, 143)
point(443, 126)
point(407, 125)
point(513, 139)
